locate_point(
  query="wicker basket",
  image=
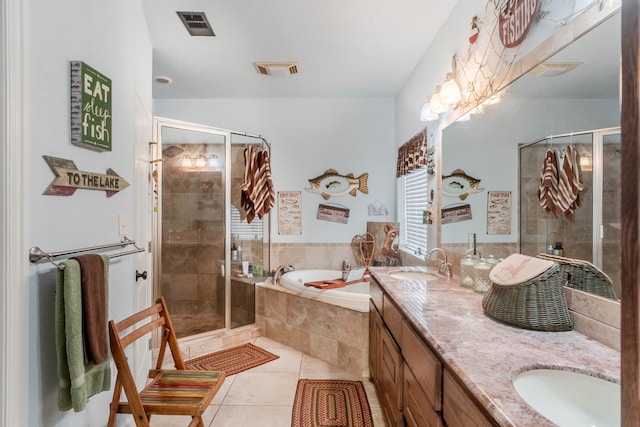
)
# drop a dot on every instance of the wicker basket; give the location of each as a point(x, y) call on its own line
point(583, 275)
point(537, 304)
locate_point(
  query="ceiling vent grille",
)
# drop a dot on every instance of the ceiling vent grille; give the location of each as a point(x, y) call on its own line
point(554, 68)
point(196, 23)
point(276, 68)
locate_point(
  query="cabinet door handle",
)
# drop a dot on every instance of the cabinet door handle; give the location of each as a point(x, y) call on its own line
point(139, 275)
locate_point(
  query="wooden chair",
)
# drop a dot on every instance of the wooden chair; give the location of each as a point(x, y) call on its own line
point(171, 392)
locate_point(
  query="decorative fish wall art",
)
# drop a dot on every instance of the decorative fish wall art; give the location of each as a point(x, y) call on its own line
point(332, 184)
point(460, 185)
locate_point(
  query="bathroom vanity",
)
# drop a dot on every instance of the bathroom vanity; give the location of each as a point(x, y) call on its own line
point(436, 359)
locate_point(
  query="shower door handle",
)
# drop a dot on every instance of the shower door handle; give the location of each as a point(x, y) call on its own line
point(139, 275)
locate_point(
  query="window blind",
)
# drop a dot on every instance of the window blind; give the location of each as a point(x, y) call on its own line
point(242, 230)
point(416, 196)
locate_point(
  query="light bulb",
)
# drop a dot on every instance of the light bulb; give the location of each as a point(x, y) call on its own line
point(436, 106)
point(450, 92)
point(425, 114)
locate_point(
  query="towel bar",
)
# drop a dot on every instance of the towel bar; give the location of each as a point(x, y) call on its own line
point(36, 254)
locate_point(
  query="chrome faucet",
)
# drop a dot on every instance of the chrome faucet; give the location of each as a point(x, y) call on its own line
point(444, 267)
point(281, 270)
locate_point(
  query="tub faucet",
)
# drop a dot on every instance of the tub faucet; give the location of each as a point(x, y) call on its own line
point(281, 270)
point(444, 267)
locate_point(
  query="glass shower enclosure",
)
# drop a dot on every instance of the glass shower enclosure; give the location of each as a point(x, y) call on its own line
point(594, 233)
point(198, 219)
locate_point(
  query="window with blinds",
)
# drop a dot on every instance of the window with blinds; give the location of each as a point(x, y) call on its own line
point(416, 196)
point(242, 230)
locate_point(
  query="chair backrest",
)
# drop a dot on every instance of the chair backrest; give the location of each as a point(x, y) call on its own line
point(142, 324)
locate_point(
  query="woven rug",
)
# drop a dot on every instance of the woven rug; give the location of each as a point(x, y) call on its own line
point(335, 403)
point(232, 360)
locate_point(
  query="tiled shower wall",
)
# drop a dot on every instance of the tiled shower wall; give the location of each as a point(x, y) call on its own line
point(192, 244)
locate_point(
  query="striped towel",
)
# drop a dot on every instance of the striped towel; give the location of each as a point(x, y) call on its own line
point(548, 189)
point(263, 195)
point(258, 196)
point(569, 185)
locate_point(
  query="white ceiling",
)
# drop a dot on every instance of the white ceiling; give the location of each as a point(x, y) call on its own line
point(352, 48)
point(344, 48)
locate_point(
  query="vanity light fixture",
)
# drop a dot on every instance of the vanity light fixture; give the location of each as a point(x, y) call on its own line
point(213, 161)
point(199, 161)
point(425, 114)
point(450, 91)
point(186, 161)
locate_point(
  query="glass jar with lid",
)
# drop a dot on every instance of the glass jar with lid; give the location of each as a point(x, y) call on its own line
point(481, 281)
point(466, 270)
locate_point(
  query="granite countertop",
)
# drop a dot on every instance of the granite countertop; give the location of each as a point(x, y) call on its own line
point(486, 354)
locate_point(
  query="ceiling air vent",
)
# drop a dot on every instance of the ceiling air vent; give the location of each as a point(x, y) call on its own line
point(196, 23)
point(554, 68)
point(276, 68)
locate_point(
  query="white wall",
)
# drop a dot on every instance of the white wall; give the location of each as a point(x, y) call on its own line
point(111, 37)
point(309, 136)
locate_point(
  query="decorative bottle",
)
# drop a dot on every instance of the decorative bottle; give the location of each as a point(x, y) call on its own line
point(481, 282)
point(466, 270)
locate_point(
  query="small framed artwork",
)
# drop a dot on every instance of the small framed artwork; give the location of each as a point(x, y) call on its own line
point(499, 212)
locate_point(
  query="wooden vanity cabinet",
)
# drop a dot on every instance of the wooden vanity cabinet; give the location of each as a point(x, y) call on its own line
point(391, 379)
point(416, 409)
point(375, 340)
point(414, 388)
point(385, 361)
point(458, 409)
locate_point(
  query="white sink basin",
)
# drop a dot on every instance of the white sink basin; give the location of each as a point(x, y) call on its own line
point(570, 399)
point(412, 275)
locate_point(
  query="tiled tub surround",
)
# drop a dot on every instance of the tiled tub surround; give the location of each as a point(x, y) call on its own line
point(333, 334)
point(311, 256)
point(486, 354)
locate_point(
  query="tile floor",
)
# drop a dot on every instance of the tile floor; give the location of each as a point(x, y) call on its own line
point(263, 396)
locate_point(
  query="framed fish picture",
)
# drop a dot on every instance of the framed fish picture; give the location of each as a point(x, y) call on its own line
point(459, 184)
point(332, 184)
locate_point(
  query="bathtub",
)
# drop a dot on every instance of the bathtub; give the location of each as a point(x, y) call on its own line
point(355, 297)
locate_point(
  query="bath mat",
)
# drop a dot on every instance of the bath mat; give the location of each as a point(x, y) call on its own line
point(336, 403)
point(232, 360)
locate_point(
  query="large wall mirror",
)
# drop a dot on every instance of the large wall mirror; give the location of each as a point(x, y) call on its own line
point(556, 104)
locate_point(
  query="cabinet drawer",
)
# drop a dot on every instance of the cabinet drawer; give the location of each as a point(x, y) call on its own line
point(391, 378)
point(425, 366)
point(417, 409)
point(375, 291)
point(458, 409)
point(393, 318)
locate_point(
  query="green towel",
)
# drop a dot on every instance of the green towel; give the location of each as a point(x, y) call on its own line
point(77, 381)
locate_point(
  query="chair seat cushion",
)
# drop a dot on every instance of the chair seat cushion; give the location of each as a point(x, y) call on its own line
point(181, 389)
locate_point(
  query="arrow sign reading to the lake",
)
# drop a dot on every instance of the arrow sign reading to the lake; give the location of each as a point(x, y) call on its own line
point(68, 179)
